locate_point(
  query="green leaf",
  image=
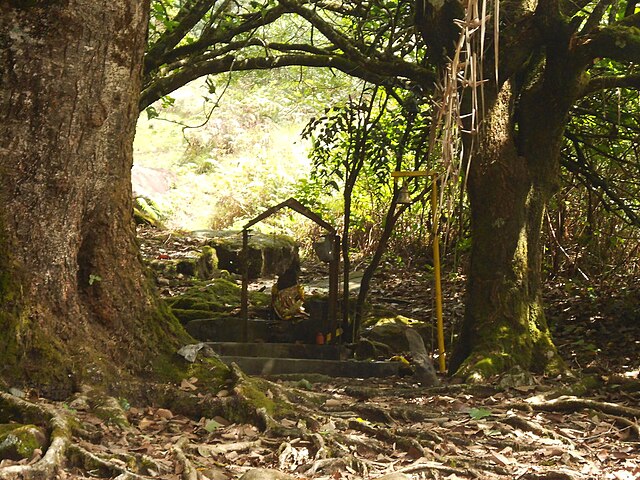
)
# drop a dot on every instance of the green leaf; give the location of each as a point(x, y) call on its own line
point(479, 413)
point(211, 426)
point(151, 113)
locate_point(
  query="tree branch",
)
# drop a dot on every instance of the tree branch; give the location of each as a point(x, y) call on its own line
point(188, 16)
point(217, 35)
point(592, 178)
point(619, 42)
point(161, 87)
point(616, 81)
point(329, 32)
point(595, 17)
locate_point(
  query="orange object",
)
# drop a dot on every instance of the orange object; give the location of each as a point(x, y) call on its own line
point(319, 338)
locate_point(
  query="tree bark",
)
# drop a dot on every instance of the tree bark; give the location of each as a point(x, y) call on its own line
point(512, 175)
point(74, 298)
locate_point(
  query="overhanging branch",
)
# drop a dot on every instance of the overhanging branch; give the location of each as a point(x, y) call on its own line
point(168, 84)
point(614, 81)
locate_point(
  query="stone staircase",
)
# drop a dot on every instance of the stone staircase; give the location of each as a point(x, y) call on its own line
point(285, 358)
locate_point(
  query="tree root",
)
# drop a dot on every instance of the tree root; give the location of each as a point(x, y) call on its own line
point(533, 427)
point(61, 446)
point(421, 465)
point(99, 466)
point(48, 465)
point(387, 436)
point(625, 424)
point(575, 404)
point(188, 471)
point(549, 475)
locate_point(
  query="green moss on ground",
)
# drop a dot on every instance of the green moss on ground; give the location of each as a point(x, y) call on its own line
point(254, 394)
point(218, 296)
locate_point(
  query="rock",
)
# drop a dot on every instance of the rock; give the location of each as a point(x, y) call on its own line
point(79, 403)
point(389, 330)
point(218, 297)
point(425, 372)
point(367, 349)
point(164, 413)
point(146, 211)
point(20, 441)
point(151, 182)
point(268, 254)
point(215, 473)
point(207, 264)
point(190, 352)
point(515, 378)
point(17, 392)
point(265, 474)
point(202, 265)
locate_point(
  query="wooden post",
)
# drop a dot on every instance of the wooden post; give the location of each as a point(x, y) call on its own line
point(334, 273)
point(244, 296)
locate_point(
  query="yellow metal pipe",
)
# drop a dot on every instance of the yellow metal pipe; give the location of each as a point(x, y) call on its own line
point(436, 268)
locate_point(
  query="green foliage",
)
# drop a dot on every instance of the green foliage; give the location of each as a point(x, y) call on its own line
point(355, 147)
point(594, 220)
point(479, 413)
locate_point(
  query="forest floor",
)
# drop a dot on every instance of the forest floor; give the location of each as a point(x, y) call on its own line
point(515, 427)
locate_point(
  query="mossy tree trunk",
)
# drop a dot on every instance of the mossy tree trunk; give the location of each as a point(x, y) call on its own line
point(513, 173)
point(74, 299)
point(504, 321)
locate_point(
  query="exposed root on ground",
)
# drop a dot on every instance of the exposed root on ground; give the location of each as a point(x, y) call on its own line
point(60, 436)
point(575, 404)
point(320, 434)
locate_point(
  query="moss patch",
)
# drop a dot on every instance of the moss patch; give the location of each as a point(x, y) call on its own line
point(218, 296)
point(20, 441)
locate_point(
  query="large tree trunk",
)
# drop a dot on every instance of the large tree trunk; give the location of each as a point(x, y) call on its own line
point(509, 185)
point(74, 299)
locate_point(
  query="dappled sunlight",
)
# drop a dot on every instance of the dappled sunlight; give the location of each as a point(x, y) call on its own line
point(237, 162)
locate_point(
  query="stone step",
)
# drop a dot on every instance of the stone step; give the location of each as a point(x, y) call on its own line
point(259, 330)
point(333, 368)
point(280, 350)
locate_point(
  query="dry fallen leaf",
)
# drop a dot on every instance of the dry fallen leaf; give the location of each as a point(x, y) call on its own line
point(164, 413)
point(186, 385)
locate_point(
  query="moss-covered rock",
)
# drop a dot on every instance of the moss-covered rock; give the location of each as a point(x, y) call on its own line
point(389, 331)
point(202, 265)
point(268, 254)
point(147, 212)
point(220, 296)
point(207, 263)
point(20, 441)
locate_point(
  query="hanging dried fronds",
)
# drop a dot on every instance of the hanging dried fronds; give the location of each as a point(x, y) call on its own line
point(459, 100)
